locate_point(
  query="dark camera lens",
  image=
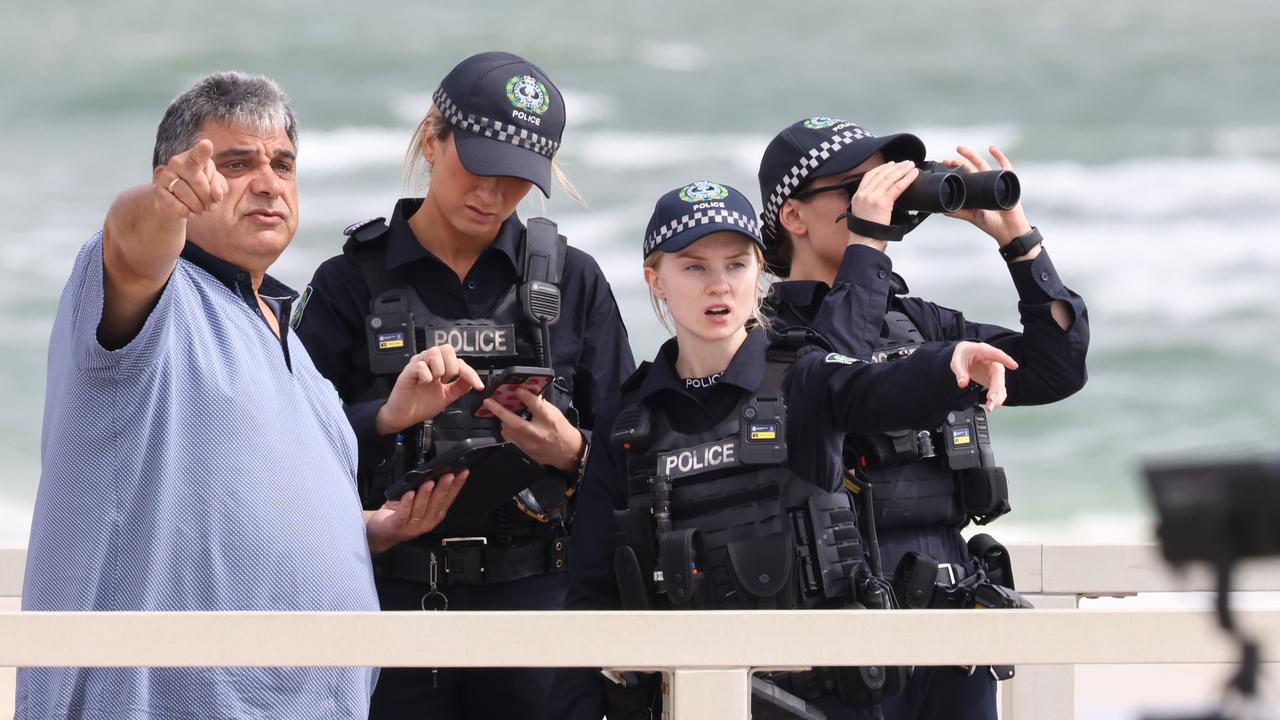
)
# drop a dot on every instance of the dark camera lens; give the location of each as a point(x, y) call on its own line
point(749, 413)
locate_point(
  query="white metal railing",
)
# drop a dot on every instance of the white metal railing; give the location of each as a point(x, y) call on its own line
point(708, 655)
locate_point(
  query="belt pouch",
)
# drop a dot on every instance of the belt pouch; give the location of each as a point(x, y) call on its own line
point(761, 570)
point(681, 565)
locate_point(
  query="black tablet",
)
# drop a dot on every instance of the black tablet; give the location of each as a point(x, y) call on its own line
point(498, 472)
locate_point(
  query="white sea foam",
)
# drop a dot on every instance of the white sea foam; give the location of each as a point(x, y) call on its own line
point(941, 142)
point(349, 148)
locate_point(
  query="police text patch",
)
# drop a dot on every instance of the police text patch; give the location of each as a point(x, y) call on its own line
point(475, 340)
point(699, 459)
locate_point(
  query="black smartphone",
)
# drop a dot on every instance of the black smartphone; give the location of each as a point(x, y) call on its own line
point(458, 457)
point(503, 386)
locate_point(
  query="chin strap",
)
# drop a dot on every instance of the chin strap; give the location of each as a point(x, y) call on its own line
point(892, 233)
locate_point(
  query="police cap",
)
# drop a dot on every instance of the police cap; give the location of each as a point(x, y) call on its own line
point(507, 115)
point(819, 147)
point(700, 208)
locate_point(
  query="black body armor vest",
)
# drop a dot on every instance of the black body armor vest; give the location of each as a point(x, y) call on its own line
point(940, 476)
point(717, 519)
point(516, 332)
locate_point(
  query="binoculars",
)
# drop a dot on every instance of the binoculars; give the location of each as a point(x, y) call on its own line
point(942, 189)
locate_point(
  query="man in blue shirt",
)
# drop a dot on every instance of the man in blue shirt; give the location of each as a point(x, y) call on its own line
point(193, 457)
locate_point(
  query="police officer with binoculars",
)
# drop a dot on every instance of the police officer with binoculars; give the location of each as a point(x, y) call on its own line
point(835, 196)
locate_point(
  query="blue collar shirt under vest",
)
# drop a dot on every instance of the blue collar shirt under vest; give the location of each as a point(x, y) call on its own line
point(205, 465)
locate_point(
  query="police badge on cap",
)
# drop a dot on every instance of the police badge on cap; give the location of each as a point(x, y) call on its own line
point(700, 208)
point(507, 114)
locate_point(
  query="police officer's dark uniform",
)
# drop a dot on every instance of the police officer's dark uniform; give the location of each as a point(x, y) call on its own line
point(920, 504)
point(709, 473)
point(509, 560)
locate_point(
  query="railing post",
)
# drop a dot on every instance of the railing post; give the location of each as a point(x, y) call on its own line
point(719, 694)
point(1041, 692)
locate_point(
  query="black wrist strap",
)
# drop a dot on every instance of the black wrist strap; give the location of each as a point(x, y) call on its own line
point(876, 231)
point(1021, 245)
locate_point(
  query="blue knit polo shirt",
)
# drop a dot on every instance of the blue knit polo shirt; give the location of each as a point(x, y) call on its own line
point(205, 465)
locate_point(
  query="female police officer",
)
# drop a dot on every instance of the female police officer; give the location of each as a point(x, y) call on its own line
point(840, 283)
point(722, 443)
point(459, 266)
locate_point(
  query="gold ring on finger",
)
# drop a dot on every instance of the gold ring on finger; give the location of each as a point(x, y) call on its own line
point(172, 182)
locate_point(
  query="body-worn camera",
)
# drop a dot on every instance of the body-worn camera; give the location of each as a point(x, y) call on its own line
point(984, 489)
point(762, 436)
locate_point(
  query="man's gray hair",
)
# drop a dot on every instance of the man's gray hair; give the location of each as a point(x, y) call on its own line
point(255, 102)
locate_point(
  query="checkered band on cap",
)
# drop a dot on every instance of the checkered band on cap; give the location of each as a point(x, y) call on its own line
point(700, 217)
point(807, 163)
point(496, 129)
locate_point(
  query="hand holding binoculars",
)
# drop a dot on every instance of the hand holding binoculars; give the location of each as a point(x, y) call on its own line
point(938, 188)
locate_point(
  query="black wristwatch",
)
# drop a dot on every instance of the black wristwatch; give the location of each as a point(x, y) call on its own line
point(1021, 245)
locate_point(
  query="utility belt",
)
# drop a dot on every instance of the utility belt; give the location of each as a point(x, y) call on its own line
point(442, 562)
point(920, 581)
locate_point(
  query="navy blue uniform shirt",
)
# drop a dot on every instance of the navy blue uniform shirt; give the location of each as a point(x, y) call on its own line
point(850, 314)
point(589, 342)
point(826, 398)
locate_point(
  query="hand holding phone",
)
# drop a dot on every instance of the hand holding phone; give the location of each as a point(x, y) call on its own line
point(502, 388)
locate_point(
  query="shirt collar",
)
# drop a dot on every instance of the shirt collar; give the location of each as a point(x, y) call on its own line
point(237, 279)
point(745, 371)
point(403, 246)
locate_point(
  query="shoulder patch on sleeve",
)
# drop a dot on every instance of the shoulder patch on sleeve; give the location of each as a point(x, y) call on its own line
point(300, 308)
point(837, 358)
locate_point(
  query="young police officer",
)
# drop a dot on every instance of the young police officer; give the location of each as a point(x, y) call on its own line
point(462, 266)
point(723, 447)
point(841, 284)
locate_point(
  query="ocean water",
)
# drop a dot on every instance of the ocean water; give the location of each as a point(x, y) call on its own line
point(1146, 134)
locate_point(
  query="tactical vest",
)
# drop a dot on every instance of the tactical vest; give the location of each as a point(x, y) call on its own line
point(515, 332)
point(941, 476)
point(717, 519)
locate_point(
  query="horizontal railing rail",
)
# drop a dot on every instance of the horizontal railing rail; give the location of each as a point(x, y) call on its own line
point(708, 656)
point(1081, 570)
point(629, 639)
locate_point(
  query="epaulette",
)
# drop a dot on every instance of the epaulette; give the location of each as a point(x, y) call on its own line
point(366, 230)
point(794, 342)
point(897, 285)
point(633, 381)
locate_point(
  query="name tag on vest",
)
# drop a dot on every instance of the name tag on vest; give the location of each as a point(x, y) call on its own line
point(475, 340)
point(702, 458)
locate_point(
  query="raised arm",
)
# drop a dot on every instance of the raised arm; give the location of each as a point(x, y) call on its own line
point(144, 233)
